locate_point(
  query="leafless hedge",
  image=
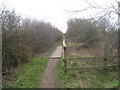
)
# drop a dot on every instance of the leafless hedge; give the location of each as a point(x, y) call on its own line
point(24, 38)
point(98, 34)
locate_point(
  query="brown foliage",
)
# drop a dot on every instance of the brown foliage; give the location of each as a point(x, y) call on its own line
point(22, 39)
point(99, 35)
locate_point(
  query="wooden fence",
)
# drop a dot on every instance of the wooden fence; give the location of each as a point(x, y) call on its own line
point(94, 62)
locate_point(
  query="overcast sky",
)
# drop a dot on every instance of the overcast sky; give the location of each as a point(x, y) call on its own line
point(54, 11)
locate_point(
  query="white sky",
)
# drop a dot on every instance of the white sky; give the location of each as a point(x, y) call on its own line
point(53, 11)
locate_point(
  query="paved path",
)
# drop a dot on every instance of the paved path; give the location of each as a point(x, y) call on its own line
point(49, 76)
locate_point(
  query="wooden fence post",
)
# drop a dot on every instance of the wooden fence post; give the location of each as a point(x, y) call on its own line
point(64, 56)
point(105, 55)
point(64, 53)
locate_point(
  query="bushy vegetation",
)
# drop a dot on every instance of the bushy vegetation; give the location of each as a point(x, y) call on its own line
point(88, 38)
point(27, 75)
point(22, 39)
point(86, 78)
point(100, 34)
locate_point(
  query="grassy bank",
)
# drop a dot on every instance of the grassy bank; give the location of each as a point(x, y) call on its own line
point(28, 75)
point(86, 79)
point(59, 43)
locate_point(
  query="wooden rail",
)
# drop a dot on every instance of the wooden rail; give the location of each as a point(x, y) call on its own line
point(91, 58)
point(91, 67)
point(103, 58)
point(54, 57)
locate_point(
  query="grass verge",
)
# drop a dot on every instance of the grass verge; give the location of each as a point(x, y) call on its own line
point(59, 43)
point(28, 75)
point(86, 78)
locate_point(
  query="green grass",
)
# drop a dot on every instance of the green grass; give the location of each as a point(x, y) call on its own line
point(63, 78)
point(75, 44)
point(58, 43)
point(28, 75)
point(86, 78)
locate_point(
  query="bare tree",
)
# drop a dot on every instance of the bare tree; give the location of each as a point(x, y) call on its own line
point(106, 32)
point(24, 38)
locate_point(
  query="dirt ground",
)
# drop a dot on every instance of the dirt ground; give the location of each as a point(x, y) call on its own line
point(49, 76)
